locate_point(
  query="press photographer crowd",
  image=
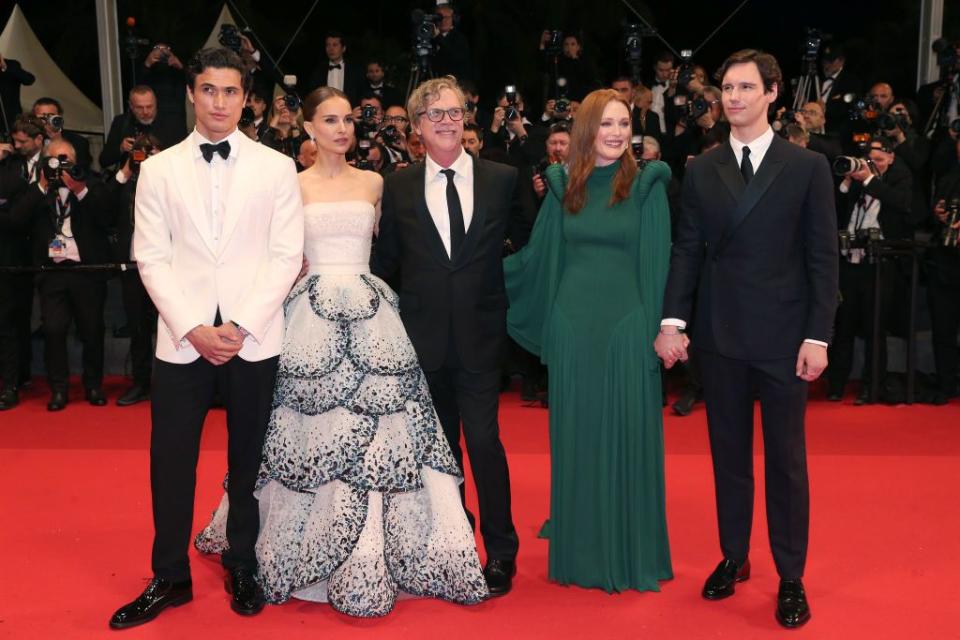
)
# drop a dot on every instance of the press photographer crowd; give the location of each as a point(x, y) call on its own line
point(66, 218)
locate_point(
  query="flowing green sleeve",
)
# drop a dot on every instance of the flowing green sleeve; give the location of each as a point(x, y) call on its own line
point(653, 250)
point(532, 275)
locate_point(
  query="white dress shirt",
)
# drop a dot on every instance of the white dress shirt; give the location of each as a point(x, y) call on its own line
point(335, 76)
point(32, 167)
point(213, 179)
point(827, 86)
point(758, 150)
point(435, 190)
point(71, 251)
point(657, 106)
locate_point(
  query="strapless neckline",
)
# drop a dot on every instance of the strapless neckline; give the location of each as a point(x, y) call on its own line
point(339, 203)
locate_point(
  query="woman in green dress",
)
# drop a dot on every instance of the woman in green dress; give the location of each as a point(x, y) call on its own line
point(585, 295)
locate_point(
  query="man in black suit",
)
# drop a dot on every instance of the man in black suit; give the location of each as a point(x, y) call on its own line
point(336, 71)
point(162, 71)
point(442, 232)
point(48, 109)
point(834, 85)
point(12, 77)
point(13, 243)
point(376, 85)
point(758, 235)
point(142, 118)
point(68, 222)
point(453, 55)
point(874, 196)
point(943, 286)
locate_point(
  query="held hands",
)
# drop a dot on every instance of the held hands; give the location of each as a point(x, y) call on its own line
point(811, 361)
point(217, 345)
point(671, 347)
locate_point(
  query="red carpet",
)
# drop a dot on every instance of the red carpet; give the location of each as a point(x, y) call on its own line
point(884, 557)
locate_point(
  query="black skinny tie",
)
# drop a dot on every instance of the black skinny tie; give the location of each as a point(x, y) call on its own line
point(746, 167)
point(455, 211)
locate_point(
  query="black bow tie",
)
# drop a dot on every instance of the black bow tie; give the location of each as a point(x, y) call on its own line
point(223, 148)
point(335, 66)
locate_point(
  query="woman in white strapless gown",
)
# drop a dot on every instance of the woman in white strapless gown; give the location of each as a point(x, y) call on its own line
point(358, 489)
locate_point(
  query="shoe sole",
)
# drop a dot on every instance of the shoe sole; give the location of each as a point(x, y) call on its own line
point(179, 602)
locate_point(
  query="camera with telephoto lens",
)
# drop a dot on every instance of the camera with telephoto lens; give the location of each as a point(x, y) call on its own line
point(633, 41)
point(55, 166)
point(229, 37)
point(691, 108)
point(845, 165)
point(363, 155)
point(391, 135)
point(143, 147)
point(291, 98)
point(812, 43)
point(54, 121)
point(510, 111)
point(636, 145)
point(887, 121)
point(424, 28)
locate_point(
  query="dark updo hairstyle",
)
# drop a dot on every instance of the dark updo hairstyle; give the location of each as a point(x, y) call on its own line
point(217, 58)
point(318, 97)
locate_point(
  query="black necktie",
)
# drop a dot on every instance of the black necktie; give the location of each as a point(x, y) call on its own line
point(457, 232)
point(223, 148)
point(746, 168)
point(335, 66)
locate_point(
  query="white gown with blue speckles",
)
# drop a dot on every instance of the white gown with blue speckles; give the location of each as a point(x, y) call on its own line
point(358, 489)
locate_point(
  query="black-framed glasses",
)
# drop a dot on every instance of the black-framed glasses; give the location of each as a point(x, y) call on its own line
point(397, 119)
point(436, 115)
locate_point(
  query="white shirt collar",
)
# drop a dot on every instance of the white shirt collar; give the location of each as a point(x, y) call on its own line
point(462, 166)
point(233, 138)
point(758, 147)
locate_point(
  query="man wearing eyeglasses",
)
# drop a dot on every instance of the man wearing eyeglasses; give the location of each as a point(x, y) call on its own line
point(442, 231)
point(393, 133)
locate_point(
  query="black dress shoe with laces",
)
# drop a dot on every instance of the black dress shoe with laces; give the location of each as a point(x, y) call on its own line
point(722, 582)
point(247, 597)
point(792, 608)
point(133, 395)
point(158, 595)
point(95, 397)
point(58, 401)
point(9, 399)
point(499, 576)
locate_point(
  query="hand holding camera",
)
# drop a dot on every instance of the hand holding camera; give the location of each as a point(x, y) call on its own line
point(499, 116)
point(126, 145)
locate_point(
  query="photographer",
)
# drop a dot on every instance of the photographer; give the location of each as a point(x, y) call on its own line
point(452, 57)
point(51, 112)
point(368, 116)
point(558, 145)
point(472, 139)
point(12, 77)
point(257, 116)
point(881, 94)
point(140, 312)
point(511, 131)
point(28, 133)
point(13, 242)
point(579, 73)
point(663, 77)
point(68, 221)
point(813, 119)
point(877, 194)
point(393, 134)
point(285, 133)
point(835, 83)
point(694, 120)
point(943, 282)
point(913, 149)
point(163, 73)
point(645, 121)
point(141, 119)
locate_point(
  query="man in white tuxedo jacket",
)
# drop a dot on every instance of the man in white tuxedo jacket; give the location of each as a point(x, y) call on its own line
point(218, 240)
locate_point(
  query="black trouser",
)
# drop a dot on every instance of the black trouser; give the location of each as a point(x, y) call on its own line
point(474, 398)
point(9, 329)
point(141, 321)
point(729, 387)
point(855, 317)
point(944, 302)
point(24, 316)
point(64, 296)
point(180, 398)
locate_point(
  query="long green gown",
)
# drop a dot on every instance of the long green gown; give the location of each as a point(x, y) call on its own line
point(585, 294)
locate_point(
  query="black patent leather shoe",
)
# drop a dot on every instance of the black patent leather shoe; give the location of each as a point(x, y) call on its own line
point(792, 608)
point(9, 399)
point(58, 401)
point(95, 397)
point(722, 582)
point(247, 597)
point(499, 576)
point(133, 395)
point(158, 595)
point(685, 403)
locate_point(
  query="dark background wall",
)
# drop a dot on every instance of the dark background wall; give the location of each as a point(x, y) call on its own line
point(881, 37)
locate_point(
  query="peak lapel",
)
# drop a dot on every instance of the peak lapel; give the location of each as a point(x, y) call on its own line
point(185, 171)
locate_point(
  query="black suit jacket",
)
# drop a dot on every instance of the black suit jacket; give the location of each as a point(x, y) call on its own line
point(13, 236)
point(837, 111)
point(464, 295)
point(90, 221)
point(648, 126)
point(761, 260)
point(894, 190)
point(10, 82)
point(353, 79)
